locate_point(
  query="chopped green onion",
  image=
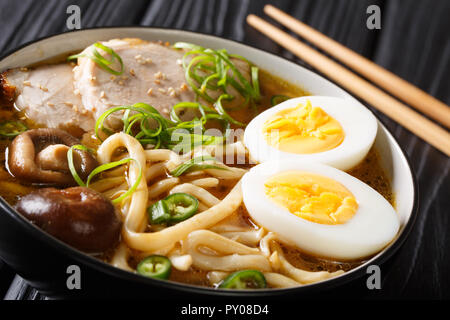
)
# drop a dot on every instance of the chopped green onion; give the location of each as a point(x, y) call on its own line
point(167, 133)
point(155, 266)
point(279, 98)
point(111, 165)
point(214, 69)
point(245, 279)
point(195, 165)
point(100, 169)
point(255, 81)
point(72, 168)
point(10, 129)
point(174, 208)
point(221, 110)
point(101, 61)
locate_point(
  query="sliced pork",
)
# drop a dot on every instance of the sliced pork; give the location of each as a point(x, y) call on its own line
point(152, 74)
point(47, 96)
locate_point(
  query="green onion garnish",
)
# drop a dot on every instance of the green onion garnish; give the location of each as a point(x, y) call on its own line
point(100, 60)
point(279, 98)
point(72, 168)
point(111, 165)
point(10, 129)
point(214, 69)
point(100, 169)
point(150, 128)
point(194, 165)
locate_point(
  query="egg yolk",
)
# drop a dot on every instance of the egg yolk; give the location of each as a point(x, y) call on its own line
point(312, 197)
point(303, 129)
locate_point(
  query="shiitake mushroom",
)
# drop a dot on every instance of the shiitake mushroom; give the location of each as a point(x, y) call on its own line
point(79, 216)
point(40, 156)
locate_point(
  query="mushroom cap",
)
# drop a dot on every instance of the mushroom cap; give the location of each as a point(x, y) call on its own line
point(79, 216)
point(27, 151)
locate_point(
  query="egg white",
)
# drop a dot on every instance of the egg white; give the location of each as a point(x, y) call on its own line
point(359, 125)
point(373, 226)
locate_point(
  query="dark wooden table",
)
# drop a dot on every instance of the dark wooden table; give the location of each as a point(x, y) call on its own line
point(413, 42)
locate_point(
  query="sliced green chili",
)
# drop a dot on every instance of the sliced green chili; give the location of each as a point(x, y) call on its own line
point(174, 208)
point(181, 206)
point(245, 279)
point(155, 266)
point(10, 129)
point(158, 213)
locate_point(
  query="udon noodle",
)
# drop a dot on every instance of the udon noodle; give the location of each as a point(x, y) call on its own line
point(207, 241)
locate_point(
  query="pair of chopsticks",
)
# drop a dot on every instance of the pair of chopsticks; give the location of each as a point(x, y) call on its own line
point(396, 110)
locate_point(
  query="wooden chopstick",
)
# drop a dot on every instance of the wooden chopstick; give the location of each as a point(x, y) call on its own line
point(398, 87)
point(408, 118)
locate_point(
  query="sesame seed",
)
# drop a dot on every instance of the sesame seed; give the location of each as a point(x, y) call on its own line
point(45, 89)
point(121, 83)
point(162, 90)
point(150, 91)
point(27, 83)
point(124, 77)
point(179, 62)
point(24, 69)
point(157, 81)
point(112, 78)
point(102, 94)
point(172, 92)
point(148, 60)
point(158, 75)
point(138, 57)
point(183, 86)
point(132, 72)
point(70, 104)
point(50, 104)
point(75, 108)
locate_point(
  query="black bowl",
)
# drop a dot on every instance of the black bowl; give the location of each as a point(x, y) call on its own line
point(48, 264)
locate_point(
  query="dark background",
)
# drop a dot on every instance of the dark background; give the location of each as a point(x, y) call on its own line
point(414, 43)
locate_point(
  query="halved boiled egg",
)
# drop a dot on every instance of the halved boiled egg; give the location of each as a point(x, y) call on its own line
point(319, 209)
point(334, 131)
